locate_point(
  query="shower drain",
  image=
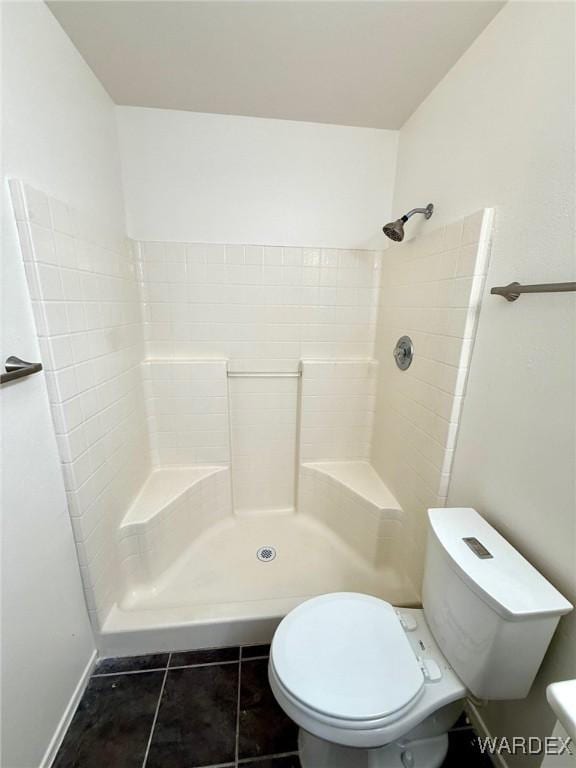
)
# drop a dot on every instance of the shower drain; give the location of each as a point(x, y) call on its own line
point(266, 554)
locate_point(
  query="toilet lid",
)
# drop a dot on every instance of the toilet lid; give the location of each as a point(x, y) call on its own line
point(346, 655)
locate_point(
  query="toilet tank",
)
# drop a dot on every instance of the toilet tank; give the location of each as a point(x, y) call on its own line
point(490, 611)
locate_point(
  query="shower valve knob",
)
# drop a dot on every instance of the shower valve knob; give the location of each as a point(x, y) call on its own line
point(404, 352)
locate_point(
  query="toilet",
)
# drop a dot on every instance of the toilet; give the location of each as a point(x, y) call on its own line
point(374, 686)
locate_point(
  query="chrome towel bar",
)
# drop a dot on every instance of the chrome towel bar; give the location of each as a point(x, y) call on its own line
point(264, 374)
point(17, 369)
point(512, 291)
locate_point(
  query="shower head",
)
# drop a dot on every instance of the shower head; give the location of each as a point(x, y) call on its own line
point(395, 229)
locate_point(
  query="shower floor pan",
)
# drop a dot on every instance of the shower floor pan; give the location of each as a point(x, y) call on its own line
point(221, 592)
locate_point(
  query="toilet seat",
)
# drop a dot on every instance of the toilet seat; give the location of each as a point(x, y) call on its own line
point(355, 728)
point(346, 658)
point(437, 695)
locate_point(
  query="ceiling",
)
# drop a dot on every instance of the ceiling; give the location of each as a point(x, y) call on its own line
point(350, 63)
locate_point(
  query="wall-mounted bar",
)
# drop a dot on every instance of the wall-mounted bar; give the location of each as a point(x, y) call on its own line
point(264, 374)
point(17, 369)
point(512, 291)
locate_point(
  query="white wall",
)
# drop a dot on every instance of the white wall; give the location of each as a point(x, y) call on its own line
point(193, 177)
point(498, 131)
point(59, 133)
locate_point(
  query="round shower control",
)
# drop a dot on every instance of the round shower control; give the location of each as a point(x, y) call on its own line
point(404, 352)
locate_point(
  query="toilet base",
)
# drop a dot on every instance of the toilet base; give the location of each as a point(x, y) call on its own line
point(420, 753)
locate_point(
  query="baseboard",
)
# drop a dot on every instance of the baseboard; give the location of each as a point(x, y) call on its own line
point(482, 730)
point(66, 718)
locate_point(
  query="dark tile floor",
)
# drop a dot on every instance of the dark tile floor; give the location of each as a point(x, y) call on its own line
point(196, 708)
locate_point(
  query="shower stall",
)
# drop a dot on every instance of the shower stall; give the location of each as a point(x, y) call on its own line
point(234, 432)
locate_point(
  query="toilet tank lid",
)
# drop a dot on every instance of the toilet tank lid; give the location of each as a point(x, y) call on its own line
point(492, 568)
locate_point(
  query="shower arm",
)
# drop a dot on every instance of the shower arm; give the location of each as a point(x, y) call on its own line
point(426, 211)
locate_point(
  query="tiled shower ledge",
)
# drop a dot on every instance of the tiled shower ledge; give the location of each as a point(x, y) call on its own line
point(161, 488)
point(165, 485)
point(361, 478)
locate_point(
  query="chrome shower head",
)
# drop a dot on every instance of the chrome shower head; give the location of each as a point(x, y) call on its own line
point(395, 229)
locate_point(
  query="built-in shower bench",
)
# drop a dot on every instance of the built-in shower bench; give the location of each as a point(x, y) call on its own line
point(350, 498)
point(175, 505)
point(162, 488)
point(360, 478)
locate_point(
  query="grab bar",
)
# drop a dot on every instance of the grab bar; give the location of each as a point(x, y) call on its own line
point(512, 291)
point(17, 369)
point(264, 374)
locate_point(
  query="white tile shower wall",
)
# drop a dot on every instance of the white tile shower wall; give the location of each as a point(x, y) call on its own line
point(431, 290)
point(252, 303)
point(187, 407)
point(337, 414)
point(86, 307)
point(262, 308)
point(263, 424)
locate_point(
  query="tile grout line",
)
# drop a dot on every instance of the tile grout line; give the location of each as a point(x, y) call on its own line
point(156, 712)
point(237, 741)
point(179, 666)
point(220, 765)
point(206, 664)
point(130, 672)
point(263, 758)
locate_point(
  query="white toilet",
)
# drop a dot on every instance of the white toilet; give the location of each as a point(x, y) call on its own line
point(373, 686)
